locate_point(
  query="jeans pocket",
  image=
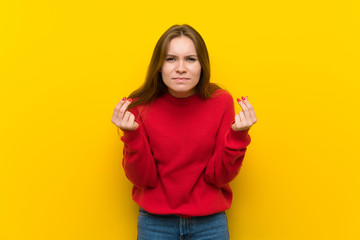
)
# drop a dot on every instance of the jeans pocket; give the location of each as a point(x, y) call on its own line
point(143, 212)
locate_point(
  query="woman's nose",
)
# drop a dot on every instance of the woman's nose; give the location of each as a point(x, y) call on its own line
point(181, 66)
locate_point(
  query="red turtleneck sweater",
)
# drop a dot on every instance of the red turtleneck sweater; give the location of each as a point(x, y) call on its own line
point(183, 154)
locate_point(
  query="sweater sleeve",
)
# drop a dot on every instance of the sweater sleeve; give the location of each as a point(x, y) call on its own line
point(138, 161)
point(230, 147)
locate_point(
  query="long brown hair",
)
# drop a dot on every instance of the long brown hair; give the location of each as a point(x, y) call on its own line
point(154, 86)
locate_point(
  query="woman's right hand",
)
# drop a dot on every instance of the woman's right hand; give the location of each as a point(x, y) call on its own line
point(122, 118)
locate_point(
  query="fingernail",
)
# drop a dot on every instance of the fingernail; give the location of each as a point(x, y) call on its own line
point(124, 98)
point(130, 99)
point(238, 100)
point(242, 98)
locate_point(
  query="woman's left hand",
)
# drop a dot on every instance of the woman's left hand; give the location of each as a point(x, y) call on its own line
point(246, 118)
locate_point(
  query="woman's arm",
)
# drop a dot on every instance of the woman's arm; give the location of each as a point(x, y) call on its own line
point(138, 161)
point(231, 143)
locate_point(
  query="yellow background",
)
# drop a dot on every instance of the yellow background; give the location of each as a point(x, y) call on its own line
point(64, 65)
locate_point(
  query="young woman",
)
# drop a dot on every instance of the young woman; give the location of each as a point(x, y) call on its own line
point(183, 143)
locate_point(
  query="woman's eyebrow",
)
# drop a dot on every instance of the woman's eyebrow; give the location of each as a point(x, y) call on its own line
point(172, 55)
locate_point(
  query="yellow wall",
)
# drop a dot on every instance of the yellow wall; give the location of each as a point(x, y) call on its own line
point(64, 65)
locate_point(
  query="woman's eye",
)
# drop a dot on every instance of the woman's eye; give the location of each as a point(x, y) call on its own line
point(170, 59)
point(191, 59)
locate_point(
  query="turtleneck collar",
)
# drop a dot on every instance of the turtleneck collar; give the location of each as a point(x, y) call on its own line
point(171, 98)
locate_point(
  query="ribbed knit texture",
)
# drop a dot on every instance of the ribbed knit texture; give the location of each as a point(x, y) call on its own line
point(183, 154)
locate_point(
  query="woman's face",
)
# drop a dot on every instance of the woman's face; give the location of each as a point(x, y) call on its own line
point(181, 69)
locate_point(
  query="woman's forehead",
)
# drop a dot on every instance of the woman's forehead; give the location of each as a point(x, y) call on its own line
point(181, 46)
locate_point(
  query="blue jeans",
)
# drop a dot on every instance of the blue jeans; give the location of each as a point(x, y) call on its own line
point(172, 227)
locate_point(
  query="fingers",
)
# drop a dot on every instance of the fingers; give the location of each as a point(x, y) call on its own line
point(123, 118)
point(114, 118)
point(123, 108)
point(128, 122)
point(237, 122)
point(125, 124)
point(246, 118)
point(240, 122)
point(132, 124)
point(248, 109)
point(251, 109)
point(126, 117)
point(132, 119)
point(245, 109)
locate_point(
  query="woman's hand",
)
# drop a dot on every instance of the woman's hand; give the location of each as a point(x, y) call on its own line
point(246, 118)
point(122, 118)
